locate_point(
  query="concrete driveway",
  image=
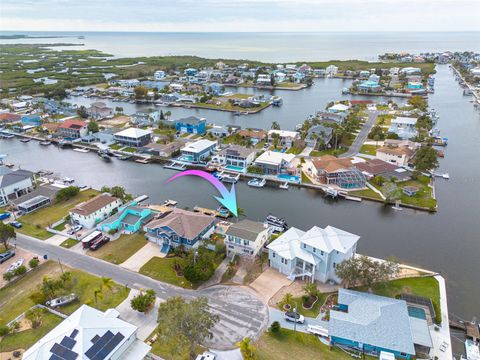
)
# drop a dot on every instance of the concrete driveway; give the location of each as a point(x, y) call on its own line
point(142, 256)
point(277, 315)
point(56, 239)
point(269, 283)
point(146, 323)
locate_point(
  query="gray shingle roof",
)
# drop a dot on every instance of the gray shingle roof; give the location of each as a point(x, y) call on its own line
point(374, 320)
point(9, 177)
point(192, 120)
point(246, 229)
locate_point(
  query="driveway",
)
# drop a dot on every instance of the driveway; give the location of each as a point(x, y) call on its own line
point(146, 323)
point(56, 239)
point(363, 134)
point(142, 256)
point(241, 313)
point(269, 283)
point(277, 315)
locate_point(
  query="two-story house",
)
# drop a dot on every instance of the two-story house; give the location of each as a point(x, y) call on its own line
point(91, 212)
point(73, 129)
point(313, 254)
point(246, 238)
point(239, 157)
point(14, 183)
point(191, 125)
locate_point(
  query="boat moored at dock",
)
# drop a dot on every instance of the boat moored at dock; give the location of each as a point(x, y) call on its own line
point(259, 183)
point(277, 224)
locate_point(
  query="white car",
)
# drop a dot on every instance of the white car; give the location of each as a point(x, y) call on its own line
point(290, 316)
point(206, 356)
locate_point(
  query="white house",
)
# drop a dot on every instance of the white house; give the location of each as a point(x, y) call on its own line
point(91, 212)
point(331, 70)
point(313, 254)
point(273, 162)
point(286, 137)
point(14, 183)
point(159, 75)
point(264, 79)
point(89, 333)
point(246, 238)
point(338, 108)
point(133, 137)
point(198, 150)
point(399, 156)
point(404, 127)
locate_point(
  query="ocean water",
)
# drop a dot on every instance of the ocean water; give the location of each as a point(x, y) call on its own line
point(269, 47)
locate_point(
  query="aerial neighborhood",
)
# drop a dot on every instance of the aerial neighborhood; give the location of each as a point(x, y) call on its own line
point(106, 272)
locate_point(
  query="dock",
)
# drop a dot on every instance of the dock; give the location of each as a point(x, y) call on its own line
point(175, 165)
point(211, 212)
point(142, 160)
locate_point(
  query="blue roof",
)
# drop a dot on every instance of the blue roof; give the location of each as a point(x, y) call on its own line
point(374, 320)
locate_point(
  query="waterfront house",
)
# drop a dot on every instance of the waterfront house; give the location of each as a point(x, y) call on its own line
point(404, 127)
point(330, 170)
point(332, 118)
point(145, 118)
point(331, 70)
point(73, 129)
point(106, 136)
point(369, 86)
point(338, 108)
point(236, 157)
point(190, 72)
point(410, 190)
point(318, 134)
point(9, 118)
point(264, 80)
point(400, 155)
point(179, 227)
point(313, 254)
point(254, 135)
point(130, 218)
point(91, 212)
point(164, 150)
point(198, 151)
point(133, 137)
point(14, 183)
point(285, 138)
point(410, 70)
point(159, 75)
point(89, 333)
point(364, 74)
point(33, 119)
point(387, 170)
point(372, 324)
point(214, 88)
point(191, 125)
point(99, 110)
point(275, 162)
point(246, 238)
point(218, 131)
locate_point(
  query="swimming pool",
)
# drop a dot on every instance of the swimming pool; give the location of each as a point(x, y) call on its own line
point(417, 312)
point(235, 168)
point(290, 178)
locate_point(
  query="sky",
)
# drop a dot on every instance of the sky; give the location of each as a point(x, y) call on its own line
point(240, 15)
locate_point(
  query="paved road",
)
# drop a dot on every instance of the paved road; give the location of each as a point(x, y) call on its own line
point(241, 313)
point(362, 135)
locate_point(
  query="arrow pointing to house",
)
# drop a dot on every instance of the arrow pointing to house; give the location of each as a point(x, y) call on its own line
point(228, 199)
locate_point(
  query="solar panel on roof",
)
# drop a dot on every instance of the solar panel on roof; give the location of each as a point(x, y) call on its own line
point(55, 357)
point(109, 346)
point(95, 348)
point(62, 352)
point(68, 342)
point(95, 339)
point(74, 333)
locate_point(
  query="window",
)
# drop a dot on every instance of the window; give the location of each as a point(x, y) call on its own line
point(273, 255)
point(334, 265)
point(304, 245)
point(321, 253)
point(314, 250)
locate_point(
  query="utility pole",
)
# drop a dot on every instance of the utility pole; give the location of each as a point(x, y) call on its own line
point(295, 322)
point(59, 263)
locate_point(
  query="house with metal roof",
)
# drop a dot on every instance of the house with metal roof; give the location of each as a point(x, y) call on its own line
point(179, 227)
point(133, 137)
point(274, 162)
point(246, 238)
point(372, 324)
point(198, 150)
point(312, 254)
point(404, 127)
point(90, 334)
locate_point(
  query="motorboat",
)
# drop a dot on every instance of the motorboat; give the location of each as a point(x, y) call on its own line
point(259, 183)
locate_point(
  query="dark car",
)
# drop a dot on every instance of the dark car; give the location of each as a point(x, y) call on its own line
point(16, 224)
point(6, 255)
point(99, 243)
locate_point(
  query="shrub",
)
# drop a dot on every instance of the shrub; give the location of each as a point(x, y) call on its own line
point(112, 231)
point(8, 276)
point(20, 270)
point(275, 327)
point(143, 301)
point(33, 263)
point(4, 330)
point(67, 193)
point(38, 297)
point(35, 316)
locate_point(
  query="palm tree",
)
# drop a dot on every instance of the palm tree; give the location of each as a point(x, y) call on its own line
point(247, 349)
point(275, 125)
point(287, 299)
point(241, 212)
point(107, 285)
point(97, 293)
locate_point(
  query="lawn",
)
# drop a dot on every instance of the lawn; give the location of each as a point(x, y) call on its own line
point(367, 193)
point(328, 152)
point(129, 150)
point(422, 198)
point(281, 346)
point(294, 150)
point(61, 226)
point(167, 350)
point(161, 269)
point(34, 224)
point(15, 298)
point(420, 286)
point(384, 119)
point(25, 339)
point(229, 107)
point(115, 146)
point(305, 179)
point(69, 243)
point(117, 251)
point(368, 149)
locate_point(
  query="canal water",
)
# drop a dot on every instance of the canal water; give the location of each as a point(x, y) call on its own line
point(447, 242)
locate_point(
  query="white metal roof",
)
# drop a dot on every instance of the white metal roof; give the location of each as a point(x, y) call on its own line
point(199, 146)
point(133, 132)
point(274, 158)
point(404, 120)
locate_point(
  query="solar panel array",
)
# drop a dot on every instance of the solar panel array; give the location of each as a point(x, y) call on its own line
point(102, 346)
point(63, 351)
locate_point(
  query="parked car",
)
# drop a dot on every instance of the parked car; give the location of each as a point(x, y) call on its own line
point(6, 255)
point(16, 224)
point(74, 229)
point(15, 265)
point(206, 356)
point(290, 316)
point(4, 215)
point(97, 244)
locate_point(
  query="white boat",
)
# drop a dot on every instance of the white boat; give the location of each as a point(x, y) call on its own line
point(277, 224)
point(259, 183)
point(62, 300)
point(8, 136)
point(331, 192)
point(284, 186)
point(82, 150)
point(397, 206)
point(68, 180)
point(446, 176)
point(228, 178)
point(45, 143)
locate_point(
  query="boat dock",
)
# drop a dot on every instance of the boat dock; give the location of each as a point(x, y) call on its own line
point(175, 165)
point(211, 212)
point(142, 160)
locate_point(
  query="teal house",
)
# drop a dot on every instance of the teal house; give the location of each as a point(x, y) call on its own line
point(129, 218)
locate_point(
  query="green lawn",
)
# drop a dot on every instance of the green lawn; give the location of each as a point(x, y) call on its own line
point(162, 269)
point(305, 179)
point(115, 146)
point(420, 286)
point(117, 251)
point(34, 224)
point(294, 150)
point(69, 243)
point(422, 198)
point(15, 298)
point(60, 227)
point(25, 339)
point(129, 150)
point(328, 152)
point(315, 310)
point(368, 149)
point(385, 119)
point(368, 193)
point(282, 345)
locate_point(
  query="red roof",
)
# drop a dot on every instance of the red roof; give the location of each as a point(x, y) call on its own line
point(73, 124)
point(9, 117)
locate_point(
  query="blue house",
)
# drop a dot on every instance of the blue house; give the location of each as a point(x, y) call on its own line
point(179, 227)
point(190, 72)
point(129, 218)
point(372, 323)
point(32, 119)
point(191, 125)
point(214, 88)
